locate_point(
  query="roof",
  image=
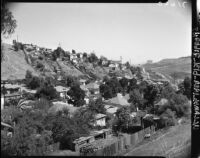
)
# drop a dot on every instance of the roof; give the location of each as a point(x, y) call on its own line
point(92, 86)
point(60, 106)
point(12, 95)
point(119, 100)
point(82, 80)
point(28, 90)
point(83, 87)
point(112, 110)
point(11, 86)
point(61, 88)
point(152, 116)
point(162, 101)
point(108, 106)
point(99, 116)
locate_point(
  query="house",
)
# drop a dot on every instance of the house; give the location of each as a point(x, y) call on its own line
point(100, 120)
point(93, 88)
point(62, 91)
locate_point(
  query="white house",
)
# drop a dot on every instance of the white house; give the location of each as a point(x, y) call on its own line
point(62, 91)
point(100, 120)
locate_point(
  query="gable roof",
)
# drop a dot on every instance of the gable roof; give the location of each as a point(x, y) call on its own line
point(112, 110)
point(99, 116)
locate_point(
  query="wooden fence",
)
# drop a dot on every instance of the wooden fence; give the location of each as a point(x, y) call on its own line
point(123, 142)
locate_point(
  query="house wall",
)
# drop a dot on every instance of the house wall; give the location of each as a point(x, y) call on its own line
point(2, 102)
point(101, 122)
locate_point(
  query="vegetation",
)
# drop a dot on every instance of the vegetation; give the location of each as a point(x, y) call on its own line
point(123, 119)
point(136, 100)
point(185, 87)
point(8, 24)
point(97, 106)
point(77, 96)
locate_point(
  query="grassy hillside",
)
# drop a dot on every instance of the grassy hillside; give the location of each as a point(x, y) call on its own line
point(180, 67)
point(14, 65)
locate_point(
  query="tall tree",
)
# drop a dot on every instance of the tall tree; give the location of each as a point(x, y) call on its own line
point(123, 119)
point(136, 100)
point(124, 84)
point(8, 24)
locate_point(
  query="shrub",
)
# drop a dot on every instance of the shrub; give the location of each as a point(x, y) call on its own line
point(39, 65)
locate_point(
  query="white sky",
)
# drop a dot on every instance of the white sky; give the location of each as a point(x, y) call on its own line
point(137, 32)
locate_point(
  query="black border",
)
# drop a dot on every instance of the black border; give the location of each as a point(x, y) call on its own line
point(195, 144)
point(195, 148)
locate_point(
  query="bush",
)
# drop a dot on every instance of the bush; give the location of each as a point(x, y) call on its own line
point(39, 65)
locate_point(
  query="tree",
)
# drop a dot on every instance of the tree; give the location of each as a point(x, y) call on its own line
point(167, 91)
point(97, 106)
point(127, 64)
point(136, 100)
point(150, 94)
point(105, 91)
point(34, 82)
point(77, 96)
point(93, 58)
point(84, 118)
point(29, 136)
point(123, 119)
point(187, 87)
point(47, 91)
point(124, 84)
point(132, 85)
point(8, 24)
point(115, 86)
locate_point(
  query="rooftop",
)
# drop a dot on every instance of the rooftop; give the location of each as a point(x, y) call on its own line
point(99, 116)
point(92, 86)
point(118, 100)
point(61, 88)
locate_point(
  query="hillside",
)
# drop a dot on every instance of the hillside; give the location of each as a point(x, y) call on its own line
point(14, 65)
point(177, 68)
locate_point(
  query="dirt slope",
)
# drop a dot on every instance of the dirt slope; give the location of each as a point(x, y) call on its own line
point(14, 65)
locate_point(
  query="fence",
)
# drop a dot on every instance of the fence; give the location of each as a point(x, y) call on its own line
point(123, 142)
